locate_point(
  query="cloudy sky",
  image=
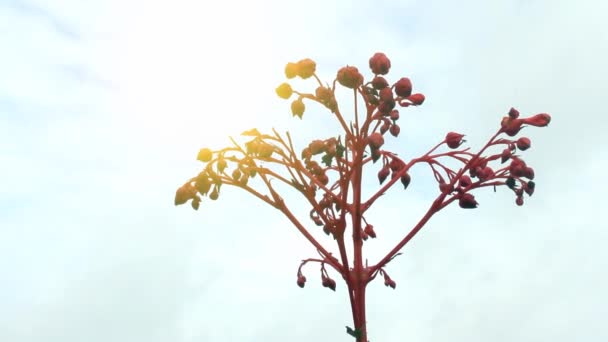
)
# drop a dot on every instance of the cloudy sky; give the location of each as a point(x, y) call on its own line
point(104, 105)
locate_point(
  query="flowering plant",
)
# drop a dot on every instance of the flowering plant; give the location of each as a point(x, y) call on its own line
point(328, 172)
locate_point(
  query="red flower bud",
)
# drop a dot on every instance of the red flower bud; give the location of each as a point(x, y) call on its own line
point(383, 174)
point(369, 230)
point(485, 173)
point(204, 155)
point(454, 139)
point(405, 180)
point(394, 115)
point(403, 87)
point(519, 200)
point(330, 283)
point(523, 143)
point(350, 77)
point(395, 129)
point(505, 155)
point(416, 99)
point(375, 140)
point(386, 106)
point(538, 120)
point(445, 188)
point(364, 235)
point(529, 187)
point(465, 181)
point(396, 164)
point(386, 95)
point(306, 68)
point(390, 283)
point(379, 82)
point(291, 70)
point(467, 201)
point(511, 126)
point(301, 281)
point(513, 113)
point(284, 91)
point(379, 63)
point(528, 172)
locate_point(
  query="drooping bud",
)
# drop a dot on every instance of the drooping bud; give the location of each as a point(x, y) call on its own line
point(465, 181)
point(467, 201)
point(390, 283)
point(394, 115)
point(513, 113)
point(538, 120)
point(204, 155)
point(379, 82)
point(297, 108)
point(529, 187)
point(454, 139)
point(214, 194)
point(350, 77)
point(383, 174)
point(395, 129)
point(405, 180)
point(369, 230)
point(523, 143)
point(379, 64)
point(519, 200)
point(510, 182)
point(184, 194)
point(403, 87)
point(445, 188)
point(375, 140)
point(301, 281)
point(485, 173)
point(196, 202)
point(396, 164)
point(505, 155)
point(528, 172)
point(306, 68)
point(284, 91)
point(328, 282)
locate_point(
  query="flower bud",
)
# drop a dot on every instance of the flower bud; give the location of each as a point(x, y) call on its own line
point(395, 129)
point(454, 139)
point(328, 282)
point(364, 235)
point(485, 173)
point(386, 95)
point(519, 200)
point(529, 187)
point(323, 94)
point(202, 184)
point(523, 143)
point(350, 77)
point(394, 115)
point(379, 82)
point(291, 70)
point(528, 172)
point(513, 113)
point(467, 201)
point(204, 155)
point(379, 64)
point(403, 87)
point(284, 91)
point(511, 126)
point(396, 164)
point(505, 155)
point(375, 140)
point(445, 188)
point(297, 108)
point(390, 283)
point(369, 230)
point(510, 183)
point(538, 120)
point(385, 107)
point(301, 281)
point(405, 180)
point(383, 174)
point(196, 201)
point(306, 68)
point(465, 181)
point(214, 194)
point(416, 99)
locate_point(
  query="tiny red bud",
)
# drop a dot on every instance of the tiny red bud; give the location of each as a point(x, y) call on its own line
point(405, 180)
point(454, 139)
point(379, 64)
point(386, 95)
point(390, 283)
point(379, 82)
point(375, 140)
point(395, 129)
point(523, 143)
point(383, 174)
point(416, 99)
point(403, 87)
point(513, 113)
point(465, 181)
point(369, 230)
point(511, 126)
point(538, 120)
point(467, 201)
point(301, 281)
point(505, 155)
point(394, 115)
point(519, 200)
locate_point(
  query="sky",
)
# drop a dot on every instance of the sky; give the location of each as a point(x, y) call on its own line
point(104, 105)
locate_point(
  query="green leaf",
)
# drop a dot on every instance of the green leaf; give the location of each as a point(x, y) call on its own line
point(354, 333)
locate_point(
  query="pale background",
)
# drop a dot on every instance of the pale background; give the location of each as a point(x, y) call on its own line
point(104, 104)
